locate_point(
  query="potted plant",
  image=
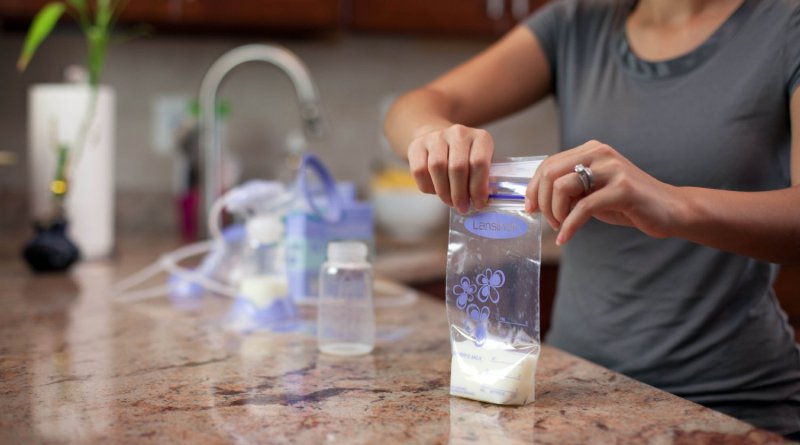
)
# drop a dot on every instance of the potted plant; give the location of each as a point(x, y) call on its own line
point(71, 133)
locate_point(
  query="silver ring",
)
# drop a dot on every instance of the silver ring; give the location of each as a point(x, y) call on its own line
point(585, 175)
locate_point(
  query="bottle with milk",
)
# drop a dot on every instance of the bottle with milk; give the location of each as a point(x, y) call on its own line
point(263, 300)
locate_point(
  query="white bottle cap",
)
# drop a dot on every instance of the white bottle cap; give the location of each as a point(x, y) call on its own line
point(265, 229)
point(347, 251)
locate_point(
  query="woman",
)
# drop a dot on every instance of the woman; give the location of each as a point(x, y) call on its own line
point(687, 200)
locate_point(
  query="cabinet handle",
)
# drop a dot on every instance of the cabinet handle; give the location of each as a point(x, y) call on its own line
point(495, 9)
point(520, 9)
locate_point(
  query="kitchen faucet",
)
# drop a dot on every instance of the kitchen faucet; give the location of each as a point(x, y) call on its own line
point(210, 145)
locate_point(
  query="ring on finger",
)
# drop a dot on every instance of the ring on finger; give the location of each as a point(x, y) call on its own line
point(586, 177)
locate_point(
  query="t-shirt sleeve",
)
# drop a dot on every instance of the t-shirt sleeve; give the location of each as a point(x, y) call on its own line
point(793, 51)
point(548, 24)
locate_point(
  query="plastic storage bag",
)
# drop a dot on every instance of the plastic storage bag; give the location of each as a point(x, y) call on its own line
point(493, 264)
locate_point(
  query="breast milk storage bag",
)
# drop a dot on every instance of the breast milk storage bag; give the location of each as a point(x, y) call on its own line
point(493, 263)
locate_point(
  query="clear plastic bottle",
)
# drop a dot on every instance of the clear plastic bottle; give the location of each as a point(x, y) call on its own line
point(346, 316)
point(263, 292)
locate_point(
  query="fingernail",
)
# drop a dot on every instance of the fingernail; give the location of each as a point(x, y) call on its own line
point(559, 240)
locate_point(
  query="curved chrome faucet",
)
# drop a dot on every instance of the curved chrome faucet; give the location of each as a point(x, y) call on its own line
point(210, 146)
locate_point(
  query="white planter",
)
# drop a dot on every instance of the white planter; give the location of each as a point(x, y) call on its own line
point(56, 113)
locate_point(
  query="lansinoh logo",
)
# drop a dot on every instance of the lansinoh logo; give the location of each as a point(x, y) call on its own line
point(496, 225)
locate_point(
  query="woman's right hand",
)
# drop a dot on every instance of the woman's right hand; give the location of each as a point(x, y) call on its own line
point(453, 163)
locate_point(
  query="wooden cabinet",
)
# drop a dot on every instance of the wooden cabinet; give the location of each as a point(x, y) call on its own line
point(455, 17)
point(19, 9)
point(232, 15)
point(270, 14)
point(442, 17)
point(787, 288)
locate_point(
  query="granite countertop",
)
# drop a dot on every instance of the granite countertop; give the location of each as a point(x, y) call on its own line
point(76, 367)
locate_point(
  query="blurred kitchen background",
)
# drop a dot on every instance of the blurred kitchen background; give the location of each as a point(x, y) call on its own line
point(361, 53)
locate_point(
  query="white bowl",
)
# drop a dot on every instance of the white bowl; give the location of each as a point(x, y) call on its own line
point(408, 214)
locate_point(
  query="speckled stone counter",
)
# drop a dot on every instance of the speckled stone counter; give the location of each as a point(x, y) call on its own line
point(78, 368)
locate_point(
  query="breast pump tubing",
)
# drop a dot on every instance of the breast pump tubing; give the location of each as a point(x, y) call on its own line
point(169, 262)
point(255, 197)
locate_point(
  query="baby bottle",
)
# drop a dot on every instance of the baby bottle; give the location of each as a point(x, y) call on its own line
point(263, 293)
point(346, 314)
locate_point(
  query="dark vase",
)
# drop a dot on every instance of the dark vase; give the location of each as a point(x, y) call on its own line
point(51, 250)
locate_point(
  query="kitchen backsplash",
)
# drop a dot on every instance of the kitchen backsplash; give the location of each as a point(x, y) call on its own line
point(356, 76)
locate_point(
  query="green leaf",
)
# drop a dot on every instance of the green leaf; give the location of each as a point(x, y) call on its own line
point(61, 162)
point(104, 14)
point(80, 5)
point(98, 44)
point(116, 10)
point(42, 25)
point(83, 12)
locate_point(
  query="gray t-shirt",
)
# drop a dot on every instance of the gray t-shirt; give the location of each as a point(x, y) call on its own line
point(695, 321)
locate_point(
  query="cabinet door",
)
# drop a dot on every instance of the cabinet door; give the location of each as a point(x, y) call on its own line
point(151, 12)
point(20, 9)
point(521, 9)
point(252, 15)
point(787, 288)
point(135, 10)
point(456, 17)
point(262, 14)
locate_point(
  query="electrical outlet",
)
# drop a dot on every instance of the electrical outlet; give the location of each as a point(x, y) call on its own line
point(169, 114)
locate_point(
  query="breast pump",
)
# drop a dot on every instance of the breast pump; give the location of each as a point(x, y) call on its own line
point(245, 260)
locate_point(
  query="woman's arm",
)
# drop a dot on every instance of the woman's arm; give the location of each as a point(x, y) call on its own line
point(432, 125)
point(764, 225)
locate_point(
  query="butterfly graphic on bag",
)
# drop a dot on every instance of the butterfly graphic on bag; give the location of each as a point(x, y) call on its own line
point(477, 320)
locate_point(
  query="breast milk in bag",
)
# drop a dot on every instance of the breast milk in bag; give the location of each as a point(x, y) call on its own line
point(493, 263)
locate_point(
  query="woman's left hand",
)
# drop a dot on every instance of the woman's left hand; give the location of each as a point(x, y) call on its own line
point(621, 193)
